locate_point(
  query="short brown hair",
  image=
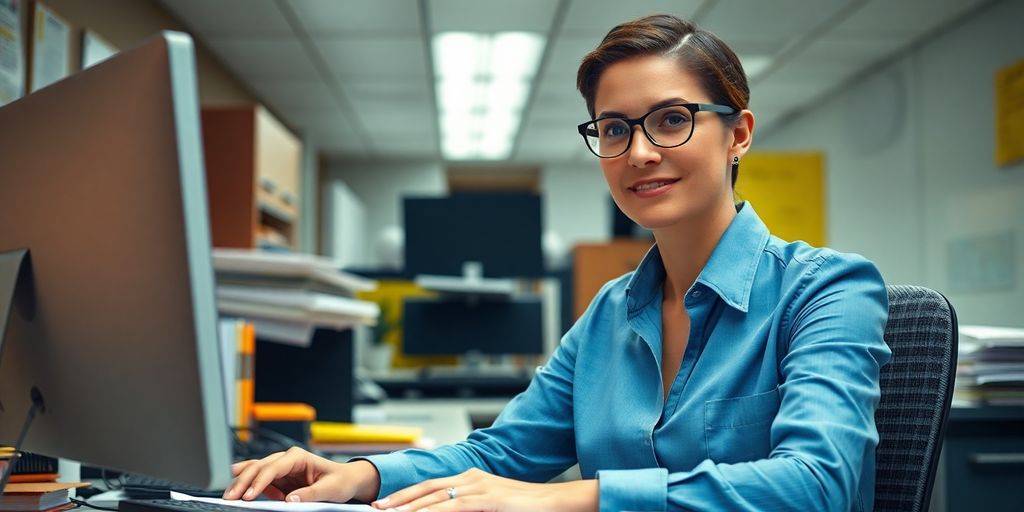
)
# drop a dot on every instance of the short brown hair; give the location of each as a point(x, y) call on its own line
point(705, 55)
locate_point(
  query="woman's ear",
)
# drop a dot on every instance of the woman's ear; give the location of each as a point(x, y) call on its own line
point(742, 134)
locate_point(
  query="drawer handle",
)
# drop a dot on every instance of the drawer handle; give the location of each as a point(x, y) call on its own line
point(268, 185)
point(993, 459)
point(288, 198)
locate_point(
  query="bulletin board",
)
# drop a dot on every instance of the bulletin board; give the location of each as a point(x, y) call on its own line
point(788, 192)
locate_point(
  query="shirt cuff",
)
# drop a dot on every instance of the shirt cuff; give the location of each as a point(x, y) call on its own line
point(395, 471)
point(639, 490)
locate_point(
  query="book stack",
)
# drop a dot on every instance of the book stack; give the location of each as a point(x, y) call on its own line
point(29, 467)
point(362, 439)
point(238, 347)
point(38, 496)
point(286, 296)
point(990, 367)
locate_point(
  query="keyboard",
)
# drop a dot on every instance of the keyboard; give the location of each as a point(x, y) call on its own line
point(143, 488)
point(177, 506)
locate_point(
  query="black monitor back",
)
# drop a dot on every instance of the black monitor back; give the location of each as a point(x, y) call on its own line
point(501, 230)
point(456, 327)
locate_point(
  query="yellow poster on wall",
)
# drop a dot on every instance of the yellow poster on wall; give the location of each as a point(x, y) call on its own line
point(788, 192)
point(390, 296)
point(1009, 114)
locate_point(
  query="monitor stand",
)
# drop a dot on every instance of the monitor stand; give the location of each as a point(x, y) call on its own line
point(15, 268)
point(472, 367)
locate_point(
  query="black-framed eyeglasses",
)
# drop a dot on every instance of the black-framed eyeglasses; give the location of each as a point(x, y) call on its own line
point(665, 127)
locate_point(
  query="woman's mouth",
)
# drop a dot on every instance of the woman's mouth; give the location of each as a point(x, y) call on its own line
point(653, 188)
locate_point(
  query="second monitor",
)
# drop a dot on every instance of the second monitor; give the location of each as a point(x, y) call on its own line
point(500, 230)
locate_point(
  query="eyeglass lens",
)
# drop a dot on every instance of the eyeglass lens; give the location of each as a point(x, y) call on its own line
point(667, 126)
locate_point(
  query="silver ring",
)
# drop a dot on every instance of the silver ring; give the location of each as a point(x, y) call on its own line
point(451, 493)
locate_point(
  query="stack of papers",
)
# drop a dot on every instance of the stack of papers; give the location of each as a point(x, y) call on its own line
point(287, 296)
point(990, 367)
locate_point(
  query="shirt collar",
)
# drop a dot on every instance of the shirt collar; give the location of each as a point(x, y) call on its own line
point(729, 271)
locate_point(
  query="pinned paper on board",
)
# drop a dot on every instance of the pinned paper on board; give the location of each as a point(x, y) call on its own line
point(12, 61)
point(51, 42)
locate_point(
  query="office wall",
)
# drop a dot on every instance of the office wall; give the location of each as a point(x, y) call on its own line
point(380, 187)
point(125, 23)
point(576, 203)
point(911, 178)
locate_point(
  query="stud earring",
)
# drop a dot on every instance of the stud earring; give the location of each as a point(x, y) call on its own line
point(735, 160)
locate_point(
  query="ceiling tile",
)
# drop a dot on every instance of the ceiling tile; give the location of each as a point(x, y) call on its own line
point(911, 18)
point(398, 57)
point(477, 16)
point(313, 120)
point(771, 24)
point(597, 17)
point(559, 73)
point(349, 17)
point(406, 144)
point(230, 17)
point(361, 88)
point(286, 96)
point(396, 116)
point(256, 59)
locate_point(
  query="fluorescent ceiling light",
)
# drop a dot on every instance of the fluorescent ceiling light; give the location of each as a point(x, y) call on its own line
point(482, 83)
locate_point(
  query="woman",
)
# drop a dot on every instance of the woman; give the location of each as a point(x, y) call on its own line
point(730, 371)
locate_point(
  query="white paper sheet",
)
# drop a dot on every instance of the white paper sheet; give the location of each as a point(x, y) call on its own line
point(12, 65)
point(279, 506)
point(50, 49)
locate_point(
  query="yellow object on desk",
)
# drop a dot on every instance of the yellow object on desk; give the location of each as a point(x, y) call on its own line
point(329, 432)
point(283, 411)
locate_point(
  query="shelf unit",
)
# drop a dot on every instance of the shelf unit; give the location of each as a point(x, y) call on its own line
point(253, 169)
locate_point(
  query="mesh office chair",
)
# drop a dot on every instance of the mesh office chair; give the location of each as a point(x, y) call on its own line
point(917, 386)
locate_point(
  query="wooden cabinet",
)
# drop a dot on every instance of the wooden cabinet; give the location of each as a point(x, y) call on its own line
point(253, 169)
point(596, 264)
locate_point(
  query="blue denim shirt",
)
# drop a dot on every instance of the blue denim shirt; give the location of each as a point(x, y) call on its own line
point(772, 408)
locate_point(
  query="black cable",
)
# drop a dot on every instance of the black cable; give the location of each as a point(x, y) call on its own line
point(82, 503)
point(106, 481)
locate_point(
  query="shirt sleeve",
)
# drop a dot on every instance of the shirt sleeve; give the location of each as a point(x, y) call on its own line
point(532, 439)
point(824, 433)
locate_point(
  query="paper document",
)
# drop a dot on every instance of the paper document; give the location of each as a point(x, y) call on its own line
point(295, 265)
point(278, 506)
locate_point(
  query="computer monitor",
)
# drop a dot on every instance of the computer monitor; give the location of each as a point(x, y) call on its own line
point(500, 230)
point(114, 320)
point(457, 327)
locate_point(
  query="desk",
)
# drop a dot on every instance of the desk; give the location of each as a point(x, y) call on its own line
point(982, 461)
point(444, 423)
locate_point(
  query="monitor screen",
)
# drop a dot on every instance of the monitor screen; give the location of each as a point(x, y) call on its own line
point(500, 230)
point(458, 327)
point(115, 321)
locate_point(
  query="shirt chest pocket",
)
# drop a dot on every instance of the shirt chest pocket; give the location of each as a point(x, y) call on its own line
point(738, 429)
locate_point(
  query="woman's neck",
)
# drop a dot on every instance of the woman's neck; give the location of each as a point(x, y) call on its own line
point(686, 247)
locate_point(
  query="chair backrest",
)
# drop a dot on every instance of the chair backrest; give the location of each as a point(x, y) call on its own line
point(917, 386)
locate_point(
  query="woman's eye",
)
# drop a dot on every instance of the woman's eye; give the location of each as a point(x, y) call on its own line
point(674, 120)
point(615, 130)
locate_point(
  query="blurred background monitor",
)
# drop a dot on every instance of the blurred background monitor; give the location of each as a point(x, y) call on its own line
point(501, 230)
point(113, 318)
point(457, 327)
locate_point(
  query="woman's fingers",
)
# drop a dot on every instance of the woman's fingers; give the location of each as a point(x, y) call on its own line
point(277, 468)
point(417, 491)
point(441, 498)
point(274, 493)
point(247, 471)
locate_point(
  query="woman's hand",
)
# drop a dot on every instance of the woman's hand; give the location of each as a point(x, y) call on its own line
point(297, 475)
point(476, 491)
